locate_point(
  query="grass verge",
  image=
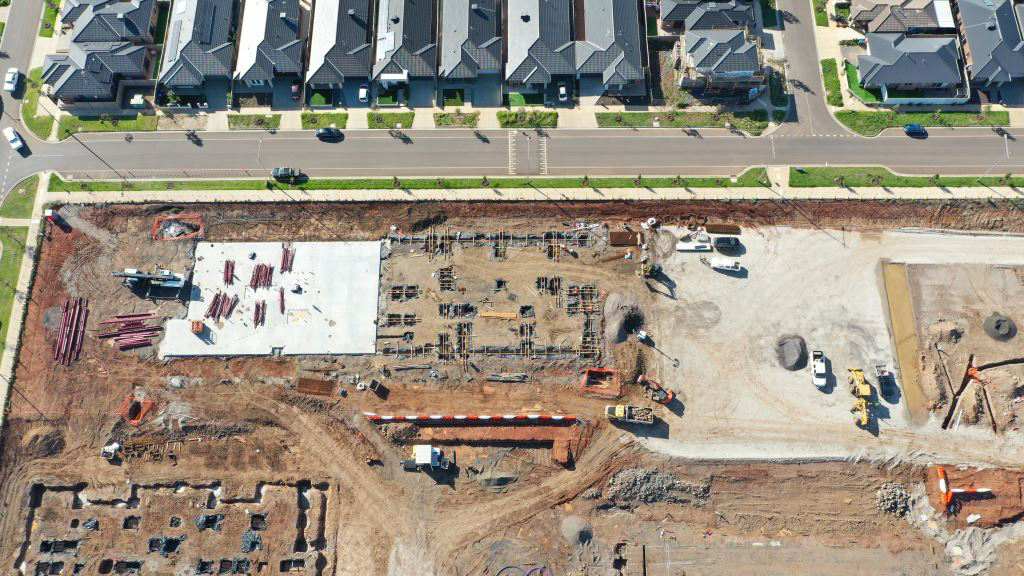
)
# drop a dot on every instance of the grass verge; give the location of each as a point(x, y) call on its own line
point(313, 120)
point(456, 120)
point(871, 123)
point(388, 120)
point(528, 119)
point(41, 126)
point(753, 122)
point(254, 121)
point(820, 13)
point(50, 9)
point(13, 239)
point(876, 176)
point(769, 13)
point(755, 177)
point(2, 26)
point(21, 198)
point(853, 79)
point(833, 89)
point(73, 124)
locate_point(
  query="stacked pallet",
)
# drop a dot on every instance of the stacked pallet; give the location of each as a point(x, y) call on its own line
point(132, 330)
point(262, 276)
point(68, 346)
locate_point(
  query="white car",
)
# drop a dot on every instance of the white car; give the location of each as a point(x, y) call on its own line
point(11, 80)
point(563, 92)
point(818, 372)
point(364, 93)
point(13, 139)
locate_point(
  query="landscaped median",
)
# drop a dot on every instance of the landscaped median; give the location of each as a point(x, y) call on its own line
point(458, 119)
point(878, 177)
point(389, 120)
point(872, 123)
point(74, 124)
point(313, 120)
point(753, 178)
point(41, 126)
point(528, 119)
point(754, 122)
point(254, 121)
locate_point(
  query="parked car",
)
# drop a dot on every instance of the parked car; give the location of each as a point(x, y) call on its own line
point(285, 173)
point(563, 92)
point(364, 93)
point(819, 374)
point(727, 243)
point(328, 133)
point(11, 79)
point(296, 88)
point(915, 131)
point(13, 139)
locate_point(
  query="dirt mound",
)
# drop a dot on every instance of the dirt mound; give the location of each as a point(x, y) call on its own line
point(892, 498)
point(791, 350)
point(622, 317)
point(649, 485)
point(1000, 327)
point(945, 332)
point(630, 358)
point(576, 530)
point(42, 442)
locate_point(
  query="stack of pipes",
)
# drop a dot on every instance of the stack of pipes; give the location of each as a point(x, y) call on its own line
point(221, 306)
point(262, 275)
point(68, 346)
point(132, 330)
point(282, 299)
point(287, 259)
point(229, 272)
point(259, 316)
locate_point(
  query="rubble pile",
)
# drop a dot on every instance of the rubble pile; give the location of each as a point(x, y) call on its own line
point(892, 498)
point(649, 485)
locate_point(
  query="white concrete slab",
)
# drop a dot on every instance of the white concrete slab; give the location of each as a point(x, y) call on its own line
point(335, 313)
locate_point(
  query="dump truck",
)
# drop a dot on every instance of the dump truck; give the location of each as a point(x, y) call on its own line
point(628, 413)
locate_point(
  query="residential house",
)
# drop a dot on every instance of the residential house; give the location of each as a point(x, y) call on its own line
point(340, 48)
point(199, 47)
point(721, 62)
point(471, 43)
point(610, 55)
point(540, 50)
point(406, 50)
point(913, 69)
point(270, 52)
point(107, 51)
point(993, 47)
point(902, 16)
point(681, 15)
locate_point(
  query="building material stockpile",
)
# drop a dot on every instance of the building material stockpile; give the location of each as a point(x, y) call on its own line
point(68, 345)
point(287, 259)
point(229, 272)
point(221, 306)
point(262, 276)
point(132, 330)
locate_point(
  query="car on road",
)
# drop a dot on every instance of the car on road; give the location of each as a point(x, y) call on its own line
point(329, 133)
point(563, 92)
point(296, 85)
point(13, 139)
point(727, 243)
point(364, 93)
point(915, 131)
point(285, 173)
point(11, 79)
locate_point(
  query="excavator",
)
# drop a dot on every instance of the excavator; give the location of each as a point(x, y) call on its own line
point(861, 390)
point(655, 390)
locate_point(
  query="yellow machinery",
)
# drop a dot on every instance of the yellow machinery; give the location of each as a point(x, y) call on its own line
point(861, 390)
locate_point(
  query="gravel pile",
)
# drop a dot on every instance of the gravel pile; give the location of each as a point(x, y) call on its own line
point(649, 485)
point(893, 498)
point(791, 352)
point(591, 494)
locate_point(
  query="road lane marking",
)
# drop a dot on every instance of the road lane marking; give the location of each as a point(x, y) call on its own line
point(542, 147)
point(512, 151)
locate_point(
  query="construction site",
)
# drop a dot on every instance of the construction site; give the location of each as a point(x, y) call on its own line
point(529, 389)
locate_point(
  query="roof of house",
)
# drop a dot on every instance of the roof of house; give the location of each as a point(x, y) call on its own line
point(910, 60)
point(108, 20)
point(470, 38)
point(994, 44)
point(677, 10)
point(269, 43)
point(722, 52)
point(901, 15)
point(610, 45)
point(198, 42)
point(539, 41)
point(405, 38)
point(93, 69)
point(714, 15)
point(342, 41)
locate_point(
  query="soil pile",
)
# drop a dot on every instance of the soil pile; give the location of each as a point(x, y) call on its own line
point(576, 530)
point(893, 498)
point(622, 317)
point(792, 352)
point(42, 442)
point(1000, 327)
point(649, 485)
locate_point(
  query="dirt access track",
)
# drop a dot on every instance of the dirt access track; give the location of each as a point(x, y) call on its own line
point(235, 470)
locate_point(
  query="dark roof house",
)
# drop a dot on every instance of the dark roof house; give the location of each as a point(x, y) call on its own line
point(540, 43)
point(199, 42)
point(109, 20)
point(611, 42)
point(406, 45)
point(269, 45)
point(993, 47)
point(705, 15)
point(342, 40)
point(916, 16)
point(898, 60)
point(470, 38)
point(721, 53)
point(92, 71)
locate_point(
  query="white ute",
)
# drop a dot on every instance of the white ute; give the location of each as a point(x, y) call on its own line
point(11, 80)
point(818, 368)
point(13, 139)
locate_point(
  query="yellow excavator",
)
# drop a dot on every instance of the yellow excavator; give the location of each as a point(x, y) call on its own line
point(861, 390)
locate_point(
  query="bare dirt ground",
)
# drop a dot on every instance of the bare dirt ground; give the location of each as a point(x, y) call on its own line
point(339, 500)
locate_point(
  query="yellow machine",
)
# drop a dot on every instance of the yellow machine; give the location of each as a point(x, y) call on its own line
point(862, 391)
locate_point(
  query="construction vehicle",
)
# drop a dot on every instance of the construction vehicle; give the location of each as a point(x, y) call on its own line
point(862, 391)
point(655, 391)
point(164, 283)
point(947, 494)
point(629, 413)
point(818, 372)
point(648, 269)
point(723, 264)
point(426, 456)
point(110, 451)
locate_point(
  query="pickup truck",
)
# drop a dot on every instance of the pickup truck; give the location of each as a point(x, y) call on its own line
point(818, 368)
point(631, 414)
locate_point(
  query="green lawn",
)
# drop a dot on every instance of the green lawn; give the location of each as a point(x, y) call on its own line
point(311, 120)
point(755, 177)
point(833, 89)
point(871, 123)
point(753, 122)
point(456, 120)
point(652, 25)
point(455, 97)
point(13, 239)
point(164, 10)
point(388, 120)
point(41, 126)
point(878, 176)
point(321, 98)
point(853, 79)
point(843, 13)
point(770, 14)
point(254, 121)
point(49, 18)
point(73, 124)
point(387, 97)
point(2, 26)
point(19, 201)
point(528, 118)
point(820, 13)
point(518, 100)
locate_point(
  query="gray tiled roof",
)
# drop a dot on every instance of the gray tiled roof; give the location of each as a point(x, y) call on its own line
point(895, 59)
point(198, 43)
point(894, 15)
point(470, 38)
point(405, 38)
point(994, 45)
point(345, 53)
point(611, 45)
point(714, 15)
point(722, 52)
point(92, 70)
point(279, 50)
point(108, 20)
point(539, 41)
